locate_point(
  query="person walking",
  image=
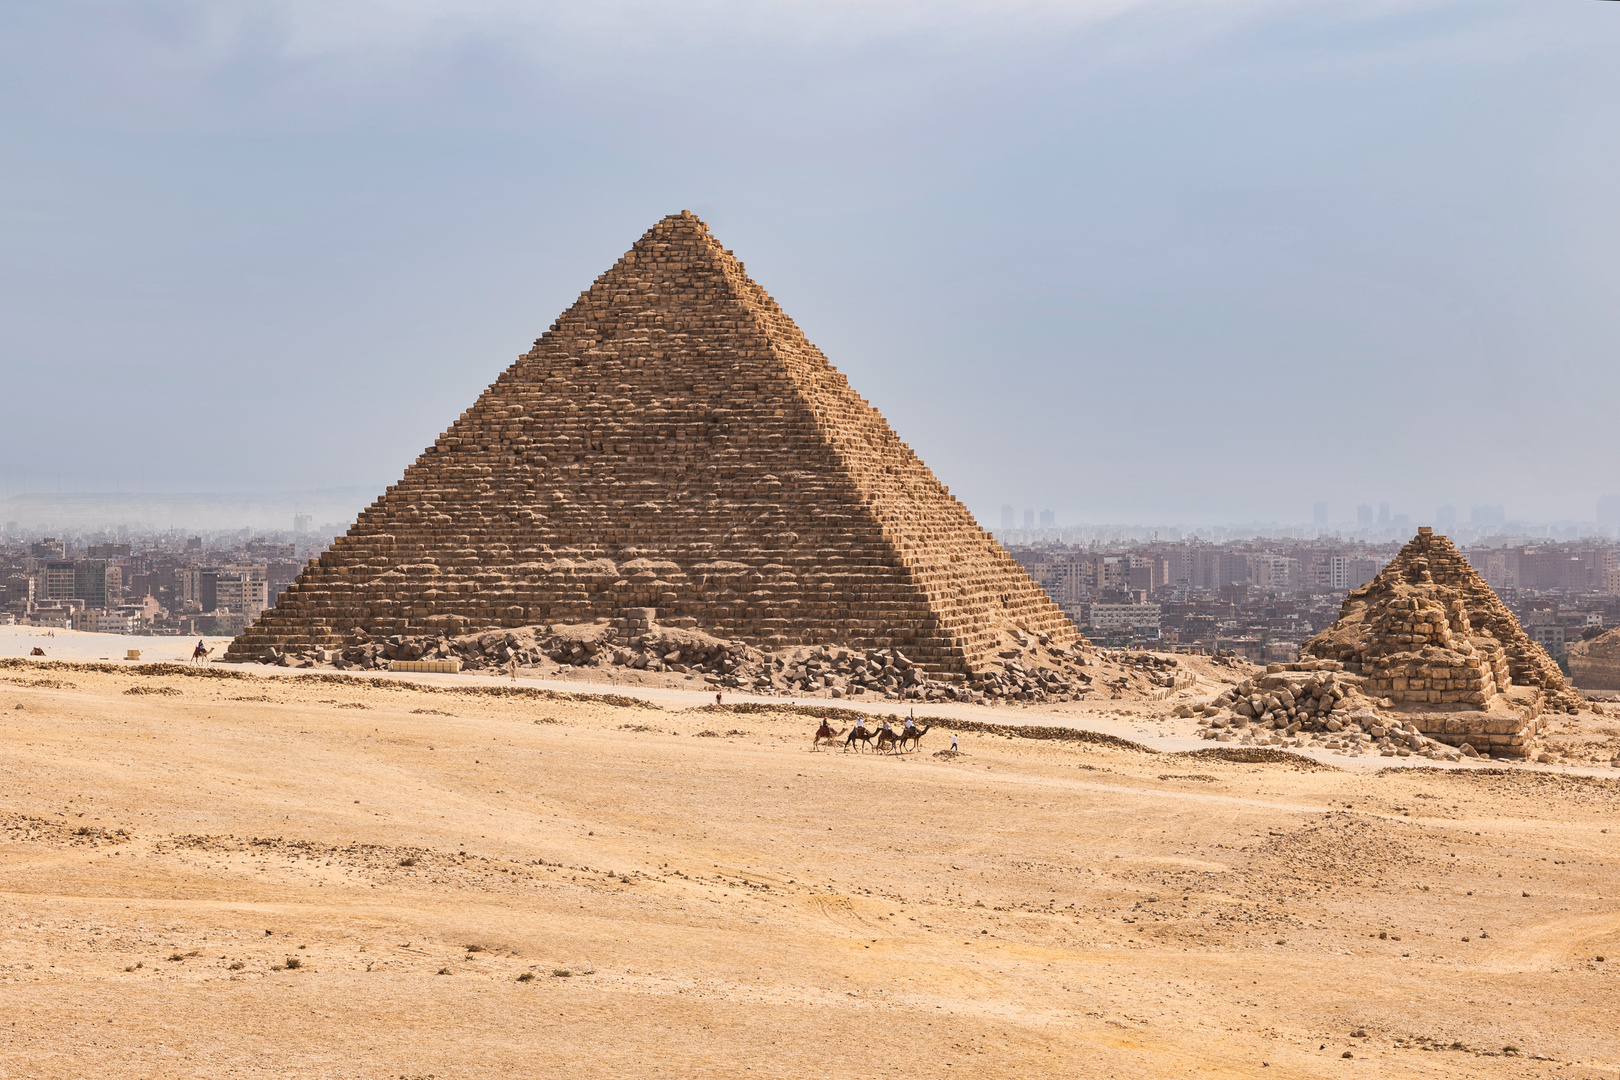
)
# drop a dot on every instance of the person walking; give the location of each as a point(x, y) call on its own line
point(953, 744)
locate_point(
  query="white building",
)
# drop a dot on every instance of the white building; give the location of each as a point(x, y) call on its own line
point(1124, 617)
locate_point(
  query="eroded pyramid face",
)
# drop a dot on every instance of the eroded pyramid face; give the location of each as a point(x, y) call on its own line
point(1432, 574)
point(673, 442)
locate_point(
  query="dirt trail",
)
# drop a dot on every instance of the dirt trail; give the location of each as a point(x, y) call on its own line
point(740, 905)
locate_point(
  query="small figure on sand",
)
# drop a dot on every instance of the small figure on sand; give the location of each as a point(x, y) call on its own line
point(953, 744)
point(511, 668)
point(200, 653)
point(717, 697)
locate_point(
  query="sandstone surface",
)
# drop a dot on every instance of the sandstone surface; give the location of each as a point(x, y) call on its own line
point(254, 872)
point(1595, 664)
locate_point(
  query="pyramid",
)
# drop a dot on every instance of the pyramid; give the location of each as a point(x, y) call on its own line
point(673, 442)
point(1595, 664)
point(1429, 629)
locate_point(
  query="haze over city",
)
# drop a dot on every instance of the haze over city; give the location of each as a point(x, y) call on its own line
point(1181, 264)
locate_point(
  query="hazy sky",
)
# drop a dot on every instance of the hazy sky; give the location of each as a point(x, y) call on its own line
point(1132, 261)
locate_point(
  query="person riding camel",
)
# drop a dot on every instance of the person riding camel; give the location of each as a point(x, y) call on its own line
point(200, 651)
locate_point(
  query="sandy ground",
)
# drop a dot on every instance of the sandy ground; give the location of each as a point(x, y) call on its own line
point(736, 904)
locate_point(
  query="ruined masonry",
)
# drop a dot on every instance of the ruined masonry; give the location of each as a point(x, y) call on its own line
point(674, 443)
point(1429, 636)
point(1595, 664)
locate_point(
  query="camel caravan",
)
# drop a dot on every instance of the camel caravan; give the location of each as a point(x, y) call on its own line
point(887, 740)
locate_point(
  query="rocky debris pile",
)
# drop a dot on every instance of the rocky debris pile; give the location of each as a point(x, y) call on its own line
point(1035, 668)
point(1031, 668)
point(1595, 664)
point(1155, 669)
point(1429, 629)
point(1313, 704)
point(674, 649)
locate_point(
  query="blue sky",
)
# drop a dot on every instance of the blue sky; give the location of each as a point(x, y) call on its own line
point(1132, 261)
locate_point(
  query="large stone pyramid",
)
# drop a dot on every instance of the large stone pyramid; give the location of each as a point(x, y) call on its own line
point(1429, 629)
point(672, 442)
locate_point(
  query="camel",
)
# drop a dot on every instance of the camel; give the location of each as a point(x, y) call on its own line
point(887, 739)
point(200, 655)
point(861, 733)
point(825, 733)
point(912, 735)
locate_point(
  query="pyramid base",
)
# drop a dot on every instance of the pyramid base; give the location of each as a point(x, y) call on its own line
point(1507, 725)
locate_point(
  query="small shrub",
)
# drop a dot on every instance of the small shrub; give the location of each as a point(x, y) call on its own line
point(561, 973)
point(527, 976)
point(237, 965)
point(176, 956)
point(407, 861)
point(444, 971)
point(293, 963)
point(475, 948)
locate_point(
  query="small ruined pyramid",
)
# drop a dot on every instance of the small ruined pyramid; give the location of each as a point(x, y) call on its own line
point(1595, 664)
point(1429, 629)
point(672, 442)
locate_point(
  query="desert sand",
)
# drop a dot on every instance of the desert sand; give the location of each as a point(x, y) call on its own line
point(238, 871)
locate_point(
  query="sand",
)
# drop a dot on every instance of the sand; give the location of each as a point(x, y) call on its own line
point(737, 904)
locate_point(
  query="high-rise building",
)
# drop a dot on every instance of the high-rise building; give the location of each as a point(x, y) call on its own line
point(1008, 518)
point(1364, 514)
point(301, 524)
point(1487, 515)
point(1319, 513)
point(1445, 517)
point(1048, 519)
point(1029, 519)
point(48, 548)
point(1383, 513)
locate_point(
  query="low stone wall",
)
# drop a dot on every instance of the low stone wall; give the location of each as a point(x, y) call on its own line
point(1494, 732)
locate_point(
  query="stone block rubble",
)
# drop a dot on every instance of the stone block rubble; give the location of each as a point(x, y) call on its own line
point(1429, 638)
point(1036, 671)
point(1595, 664)
point(1314, 704)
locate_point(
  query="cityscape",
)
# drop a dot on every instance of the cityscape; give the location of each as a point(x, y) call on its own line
point(1187, 589)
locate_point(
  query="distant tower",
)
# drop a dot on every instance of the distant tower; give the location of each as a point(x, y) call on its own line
point(1608, 510)
point(1029, 519)
point(1008, 518)
point(1319, 513)
point(1383, 513)
point(1445, 517)
point(1364, 514)
point(300, 524)
point(1048, 519)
